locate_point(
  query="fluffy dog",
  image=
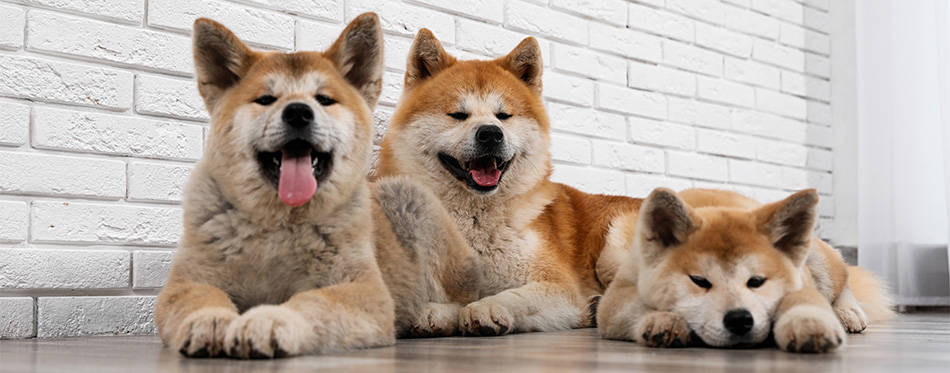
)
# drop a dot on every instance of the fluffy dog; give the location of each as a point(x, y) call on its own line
point(476, 133)
point(716, 267)
point(283, 232)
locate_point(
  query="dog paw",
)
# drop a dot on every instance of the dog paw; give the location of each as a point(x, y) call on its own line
point(485, 318)
point(202, 332)
point(265, 332)
point(808, 329)
point(852, 317)
point(436, 320)
point(662, 329)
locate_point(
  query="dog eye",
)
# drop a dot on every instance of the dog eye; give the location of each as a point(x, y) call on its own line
point(325, 100)
point(700, 281)
point(265, 100)
point(502, 116)
point(755, 282)
point(458, 115)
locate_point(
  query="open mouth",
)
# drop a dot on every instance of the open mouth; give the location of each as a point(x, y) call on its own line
point(296, 169)
point(482, 173)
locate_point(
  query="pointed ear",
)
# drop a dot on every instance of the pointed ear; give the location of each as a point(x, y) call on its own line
point(789, 223)
point(665, 221)
point(221, 59)
point(358, 55)
point(426, 58)
point(525, 63)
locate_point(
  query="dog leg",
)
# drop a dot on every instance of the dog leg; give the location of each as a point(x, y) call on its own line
point(537, 306)
point(805, 322)
point(437, 320)
point(341, 317)
point(849, 312)
point(193, 318)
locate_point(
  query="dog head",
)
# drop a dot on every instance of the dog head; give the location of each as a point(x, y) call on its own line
point(289, 128)
point(476, 127)
point(725, 269)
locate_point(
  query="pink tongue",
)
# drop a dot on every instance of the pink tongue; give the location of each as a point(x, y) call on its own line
point(297, 183)
point(487, 176)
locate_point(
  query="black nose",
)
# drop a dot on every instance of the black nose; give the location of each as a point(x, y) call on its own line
point(297, 115)
point(489, 136)
point(739, 322)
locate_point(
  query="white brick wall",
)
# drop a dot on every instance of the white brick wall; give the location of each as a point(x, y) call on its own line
point(100, 121)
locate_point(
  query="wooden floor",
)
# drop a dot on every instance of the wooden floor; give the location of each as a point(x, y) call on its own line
point(918, 342)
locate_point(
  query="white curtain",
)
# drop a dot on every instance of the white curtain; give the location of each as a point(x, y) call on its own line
point(903, 119)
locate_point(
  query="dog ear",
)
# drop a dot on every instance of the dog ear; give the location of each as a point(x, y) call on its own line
point(525, 63)
point(358, 55)
point(221, 59)
point(426, 58)
point(789, 223)
point(665, 221)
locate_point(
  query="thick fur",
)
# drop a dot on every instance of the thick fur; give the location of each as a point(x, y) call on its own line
point(543, 248)
point(701, 255)
point(256, 278)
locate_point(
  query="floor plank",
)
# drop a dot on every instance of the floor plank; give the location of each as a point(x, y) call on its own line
point(917, 342)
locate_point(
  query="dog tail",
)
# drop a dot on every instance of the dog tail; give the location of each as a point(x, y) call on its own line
point(872, 294)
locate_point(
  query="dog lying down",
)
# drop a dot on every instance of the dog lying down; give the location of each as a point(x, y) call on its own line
point(716, 268)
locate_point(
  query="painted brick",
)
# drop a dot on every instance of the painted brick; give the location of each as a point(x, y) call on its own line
point(781, 152)
point(84, 131)
point(697, 166)
point(646, 131)
point(755, 173)
point(150, 268)
point(720, 39)
point(80, 316)
point(14, 123)
point(570, 149)
point(726, 92)
point(491, 41)
point(586, 121)
point(63, 269)
point(531, 18)
point(819, 112)
point(794, 178)
point(395, 52)
point(640, 185)
point(753, 23)
point(822, 181)
point(817, 65)
point(630, 101)
point(818, 4)
point(817, 135)
point(691, 58)
point(14, 220)
point(725, 143)
point(778, 55)
point(250, 24)
point(663, 79)
point(169, 97)
point(569, 89)
point(54, 81)
point(610, 11)
point(318, 36)
point(123, 11)
point(321, 9)
point(781, 104)
point(591, 64)
point(487, 10)
point(381, 118)
point(16, 318)
point(698, 113)
point(87, 223)
point(392, 88)
point(590, 180)
point(55, 33)
point(406, 20)
point(821, 159)
point(61, 176)
point(711, 11)
point(805, 39)
point(12, 21)
point(782, 9)
point(661, 23)
point(626, 42)
point(751, 72)
point(768, 125)
point(628, 157)
point(157, 181)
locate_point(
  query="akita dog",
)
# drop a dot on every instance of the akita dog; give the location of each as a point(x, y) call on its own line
point(283, 232)
point(477, 134)
point(716, 267)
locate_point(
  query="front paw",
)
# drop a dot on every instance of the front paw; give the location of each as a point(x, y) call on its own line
point(808, 329)
point(202, 332)
point(485, 318)
point(266, 332)
point(436, 320)
point(852, 317)
point(662, 329)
